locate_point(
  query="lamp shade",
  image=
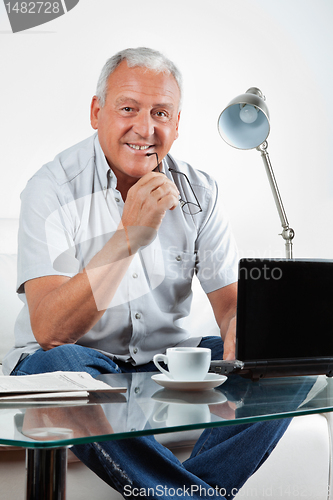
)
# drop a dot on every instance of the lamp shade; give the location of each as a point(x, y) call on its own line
point(244, 123)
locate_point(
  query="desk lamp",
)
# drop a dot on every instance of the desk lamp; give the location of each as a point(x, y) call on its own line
point(244, 124)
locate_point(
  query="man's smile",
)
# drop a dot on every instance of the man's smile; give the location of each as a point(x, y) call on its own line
point(137, 146)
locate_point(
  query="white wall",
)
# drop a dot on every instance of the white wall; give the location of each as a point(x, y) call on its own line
point(223, 47)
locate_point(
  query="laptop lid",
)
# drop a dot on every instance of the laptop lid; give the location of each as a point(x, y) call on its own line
point(285, 317)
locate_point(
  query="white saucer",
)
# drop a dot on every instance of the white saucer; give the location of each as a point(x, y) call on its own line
point(190, 397)
point(210, 381)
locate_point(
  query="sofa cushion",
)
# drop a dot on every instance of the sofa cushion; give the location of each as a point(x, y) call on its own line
point(10, 303)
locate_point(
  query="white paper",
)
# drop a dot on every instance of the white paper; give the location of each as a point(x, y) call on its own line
point(49, 398)
point(55, 382)
point(46, 395)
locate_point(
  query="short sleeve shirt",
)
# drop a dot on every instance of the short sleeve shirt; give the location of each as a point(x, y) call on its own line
point(71, 207)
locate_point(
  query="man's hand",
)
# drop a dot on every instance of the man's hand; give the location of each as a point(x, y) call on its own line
point(146, 204)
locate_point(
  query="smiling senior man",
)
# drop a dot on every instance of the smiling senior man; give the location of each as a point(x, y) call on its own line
point(107, 252)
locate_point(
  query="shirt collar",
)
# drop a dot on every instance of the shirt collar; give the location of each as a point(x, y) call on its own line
point(106, 176)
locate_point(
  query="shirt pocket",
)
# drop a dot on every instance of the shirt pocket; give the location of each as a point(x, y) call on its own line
point(178, 268)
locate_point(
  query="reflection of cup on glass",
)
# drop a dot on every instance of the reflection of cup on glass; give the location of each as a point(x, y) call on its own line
point(181, 414)
point(185, 363)
point(49, 433)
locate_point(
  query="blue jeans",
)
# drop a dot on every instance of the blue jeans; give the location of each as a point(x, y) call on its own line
point(221, 461)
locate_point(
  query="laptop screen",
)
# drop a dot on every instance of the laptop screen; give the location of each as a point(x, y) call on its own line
point(284, 309)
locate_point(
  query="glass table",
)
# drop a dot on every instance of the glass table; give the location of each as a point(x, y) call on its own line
point(47, 431)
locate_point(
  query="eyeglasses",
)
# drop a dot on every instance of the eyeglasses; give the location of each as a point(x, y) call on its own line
point(188, 207)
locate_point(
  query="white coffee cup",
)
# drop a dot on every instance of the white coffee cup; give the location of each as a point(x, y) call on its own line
point(185, 363)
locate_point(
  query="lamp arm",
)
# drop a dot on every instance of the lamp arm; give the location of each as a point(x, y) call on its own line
point(287, 233)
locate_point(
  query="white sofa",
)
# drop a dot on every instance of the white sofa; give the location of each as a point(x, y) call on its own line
point(299, 467)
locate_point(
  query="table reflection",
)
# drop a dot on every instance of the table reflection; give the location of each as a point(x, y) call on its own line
point(146, 407)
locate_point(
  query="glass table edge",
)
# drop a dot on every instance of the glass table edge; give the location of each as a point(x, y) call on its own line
point(67, 443)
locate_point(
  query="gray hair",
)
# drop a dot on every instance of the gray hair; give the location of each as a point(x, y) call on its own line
point(142, 57)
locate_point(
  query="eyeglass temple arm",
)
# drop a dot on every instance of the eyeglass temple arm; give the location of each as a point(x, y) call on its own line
point(188, 181)
point(158, 163)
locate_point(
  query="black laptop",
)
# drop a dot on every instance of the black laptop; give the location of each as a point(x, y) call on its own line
point(284, 319)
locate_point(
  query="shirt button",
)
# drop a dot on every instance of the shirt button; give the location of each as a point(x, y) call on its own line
point(137, 390)
point(138, 315)
point(117, 200)
point(179, 258)
point(135, 275)
point(104, 188)
point(135, 350)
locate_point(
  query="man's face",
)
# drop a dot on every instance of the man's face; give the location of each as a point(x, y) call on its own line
point(140, 116)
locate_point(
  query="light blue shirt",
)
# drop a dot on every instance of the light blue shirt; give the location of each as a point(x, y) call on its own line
point(70, 209)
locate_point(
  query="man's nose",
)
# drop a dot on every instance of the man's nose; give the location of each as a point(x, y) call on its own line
point(144, 124)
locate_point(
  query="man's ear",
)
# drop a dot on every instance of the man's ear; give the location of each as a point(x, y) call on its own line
point(177, 126)
point(94, 111)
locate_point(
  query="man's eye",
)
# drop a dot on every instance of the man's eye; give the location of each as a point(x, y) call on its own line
point(162, 114)
point(127, 109)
